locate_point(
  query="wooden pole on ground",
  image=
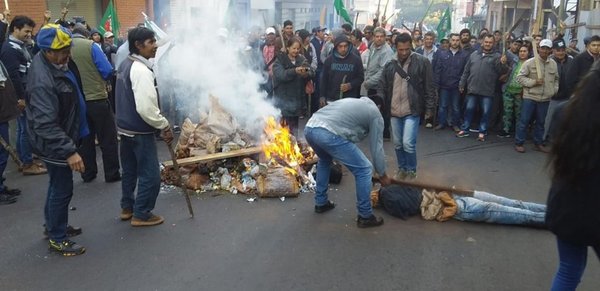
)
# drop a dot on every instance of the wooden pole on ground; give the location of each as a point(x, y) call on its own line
point(180, 180)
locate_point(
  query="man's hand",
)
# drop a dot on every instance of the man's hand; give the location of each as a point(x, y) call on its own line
point(345, 87)
point(503, 59)
point(461, 90)
point(385, 180)
point(76, 163)
point(322, 102)
point(167, 135)
point(21, 104)
point(539, 82)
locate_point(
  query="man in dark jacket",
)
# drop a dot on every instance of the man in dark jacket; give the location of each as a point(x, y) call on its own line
point(482, 70)
point(17, 58)
point(8, 111)
point(56, 123)
point(582, 64)
point(343, 73)
point(563, 63)
point(448, 66)
point(406, 85)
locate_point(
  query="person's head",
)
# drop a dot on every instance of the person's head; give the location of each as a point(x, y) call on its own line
point(454, 41)
point(537, 37)
point(293, 46)
point(465, 36)
point(21, 28)
point(559, 49)
point(594, 45)
point(54, 42)
point(379, 36)
point(319, 32)
point(545, 48)
point(515, 45)
point(487, 42)
point(288, 27)
point(347, 28)
point(484, 31)
point(304, 36)
point(497, 36)
point(429, 39)
point(573, 43)
point(368, 32)
point(109, 38)
point(416, 34)
point(96, 36)
point(403, 45)
point(142, 41)
point(356, 37)
point(473, 40)
point(81, 30)
point(270, 35)
point(342, 45)
point(445, 43)
point(523, 53)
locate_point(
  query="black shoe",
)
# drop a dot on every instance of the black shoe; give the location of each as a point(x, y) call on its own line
point(11, 192)
point(113, 179)
point(71, 231)
point(88, 179)
point(326, 207)
point(504, 134)
point(7, 199)
point(66, 248)
point(372, 221)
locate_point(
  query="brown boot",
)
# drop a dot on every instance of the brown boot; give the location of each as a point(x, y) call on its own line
point(126, 214)
point(34, 169)
point(153, 220)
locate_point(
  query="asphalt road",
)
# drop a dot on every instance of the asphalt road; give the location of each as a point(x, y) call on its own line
point(271, 244)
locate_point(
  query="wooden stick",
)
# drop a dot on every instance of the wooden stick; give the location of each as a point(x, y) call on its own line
point(215, 156)
point(10, 150)
point(451, 189)
point(6, 5)
point(536, 56)
point(180, 183)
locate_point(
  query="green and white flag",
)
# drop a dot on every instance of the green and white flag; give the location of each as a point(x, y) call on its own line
point(110, 20)
point(445, 25)
point(341, 10)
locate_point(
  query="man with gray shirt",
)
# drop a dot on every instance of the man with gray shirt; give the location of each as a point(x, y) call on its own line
point(333, 132)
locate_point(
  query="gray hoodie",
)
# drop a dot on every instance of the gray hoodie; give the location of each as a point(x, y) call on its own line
point(378, 57)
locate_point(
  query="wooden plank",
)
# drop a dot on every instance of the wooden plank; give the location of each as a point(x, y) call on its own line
point(215, 156)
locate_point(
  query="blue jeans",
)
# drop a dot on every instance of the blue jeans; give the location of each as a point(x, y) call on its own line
point(404, 137)
point(23, 144)
point(139, 161)
point(3, 153)
point(528, 108)
point(486, 105)
point(449, 98)
point(329, 146)
point(486, 207)
point(573, 259)
point(60, 191)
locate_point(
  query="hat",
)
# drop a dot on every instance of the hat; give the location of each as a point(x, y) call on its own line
point(53, 37)
point(546, 43)
point(108, 34)
point(558, 43)
point(303, 34)
point(528, 39)
point(270, 30)
point(519, 40)
point(318, 28)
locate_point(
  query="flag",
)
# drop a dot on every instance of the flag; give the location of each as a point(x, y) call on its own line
point(444, 26)
point(341, 10)
point(110, 21)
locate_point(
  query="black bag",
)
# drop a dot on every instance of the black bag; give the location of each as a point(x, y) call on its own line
point(335, 175)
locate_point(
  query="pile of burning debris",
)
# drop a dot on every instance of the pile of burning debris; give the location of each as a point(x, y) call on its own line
point(216, 154)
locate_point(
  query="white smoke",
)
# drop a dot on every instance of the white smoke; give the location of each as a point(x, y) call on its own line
point(198, 63)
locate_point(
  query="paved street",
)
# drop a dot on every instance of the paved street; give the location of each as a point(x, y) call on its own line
point(232, 244)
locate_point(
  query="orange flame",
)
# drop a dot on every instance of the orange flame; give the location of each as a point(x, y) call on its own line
point(280, 144)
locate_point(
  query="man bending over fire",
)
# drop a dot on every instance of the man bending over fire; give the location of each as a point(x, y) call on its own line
point(333, 132)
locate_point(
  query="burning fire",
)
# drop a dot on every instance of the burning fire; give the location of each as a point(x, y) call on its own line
point(280, 146)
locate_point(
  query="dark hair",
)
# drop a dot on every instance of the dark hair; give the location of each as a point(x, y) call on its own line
point(403, 38)
point(19, 22)
point(288, 22)
point(138, 34)
point(486, 35)
point(497, 31)
point(594, 38)
point(293, 40)
point(465, 30)
point(357, 34)
point(453, 34)
point(347, 27)
point(574, 152)
point(430, 33)
point(303, 34)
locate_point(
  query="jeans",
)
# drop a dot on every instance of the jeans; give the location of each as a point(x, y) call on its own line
point(512, 110)
point(60, 191)
point(449, 98)
point(549, 127)
point(573, 259)
point(404, 137)
point(528, 108)
point(486, 207)
point(139, 161)
point(3, 152)
point(23, 144)
point(329, 146)
point(486, 105)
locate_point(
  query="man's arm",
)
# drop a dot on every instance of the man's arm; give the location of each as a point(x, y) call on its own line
point(373, 80)
point(145, 96)
point(359, 75)
point(324, 82)
point(314, 62)
point(436, 68)
point(376, 143)
point(428, 89)
point(523, 75)
point(102, 64)
point(465, 75)
point(384, 83)
point(10, 58)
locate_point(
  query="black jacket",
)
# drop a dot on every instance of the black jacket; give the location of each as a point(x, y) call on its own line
point(17, 59)
point(335, 68)
point(580, 66)
point(52, 110)
point(563, 69)
point(289, 87)
point(8, 100)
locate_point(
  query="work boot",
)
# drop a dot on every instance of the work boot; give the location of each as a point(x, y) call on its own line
point(7, 199)
point(325, 207)
point(126, 214)
point(71, 231)
point(541, 148)
point(66, 248)
point(520, 148)
point(400, 175)
point(33, 169)
point(372, 221)
point(153, 220)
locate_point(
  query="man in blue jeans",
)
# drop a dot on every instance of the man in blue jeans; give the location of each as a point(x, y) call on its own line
point(482, 70)
point(333, 132)
point(138, 118)
point(8, 111)
point(406, 84)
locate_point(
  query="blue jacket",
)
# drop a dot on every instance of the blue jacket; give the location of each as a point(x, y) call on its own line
point(448, 68)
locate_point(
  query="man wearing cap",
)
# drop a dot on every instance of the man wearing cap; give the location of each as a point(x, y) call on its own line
point(109, 47)
point(536, 95)
point(583, 62)
point(513, 51)
point(95, 71)
point(563, 63)
point(572, 50)
point(56, 123)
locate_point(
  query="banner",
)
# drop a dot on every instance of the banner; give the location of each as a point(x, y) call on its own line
point(110, 20)
point(444, 27)
point(341, 10)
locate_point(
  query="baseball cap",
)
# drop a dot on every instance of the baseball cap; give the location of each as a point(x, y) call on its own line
point(108, 34)
point(558, 43)
point(53, 37)
point(546, 43)
point(318, 28)
point(270, 30)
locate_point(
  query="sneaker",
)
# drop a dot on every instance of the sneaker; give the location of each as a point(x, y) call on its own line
point(66, 248)
point(474, 130)
point(372, 221)
point(400, 175)
point(153, 220)
point(455, 128)
point(7, 199)
point(463, 133)
point(541, 148)
point(439, 127)
point(503, 134)
point(325, 207)
point(126, 214)
point(34, 169)
point(11, 192)
point(71, 231)
point(520, 148)
point(112, 179)
point(428, 125)
point(411, 175)
point(481, 137)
